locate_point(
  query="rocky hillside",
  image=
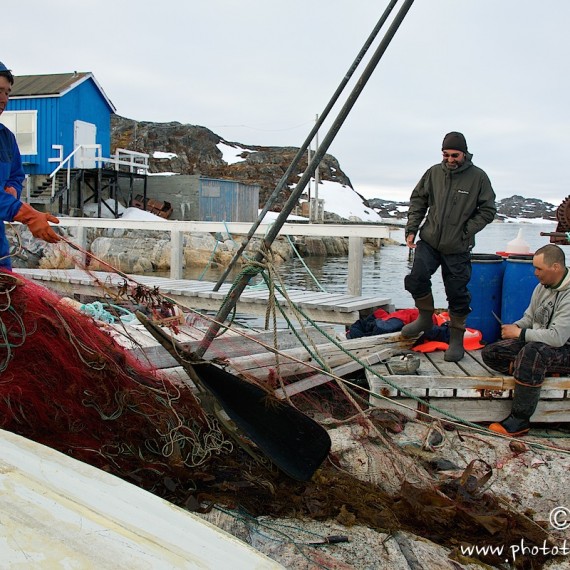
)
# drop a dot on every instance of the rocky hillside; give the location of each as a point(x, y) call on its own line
point(196, 152)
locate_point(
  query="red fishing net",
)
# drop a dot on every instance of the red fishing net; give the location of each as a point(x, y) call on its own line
point(65, 383)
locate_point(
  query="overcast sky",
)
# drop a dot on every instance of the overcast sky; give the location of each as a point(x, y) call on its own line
point(259, 71)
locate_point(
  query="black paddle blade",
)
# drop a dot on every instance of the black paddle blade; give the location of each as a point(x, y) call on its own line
point(295, 443)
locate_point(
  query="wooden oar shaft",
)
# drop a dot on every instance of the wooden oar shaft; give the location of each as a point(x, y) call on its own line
point(303, 148)
point(274, 230)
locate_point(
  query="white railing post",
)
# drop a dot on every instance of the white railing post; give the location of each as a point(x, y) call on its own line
point(81, 240)
point(355, 247)
point(59, 160)
point(176, 254)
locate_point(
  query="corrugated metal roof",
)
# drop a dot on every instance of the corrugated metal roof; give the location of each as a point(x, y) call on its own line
point(53, 85)
point(43, 85)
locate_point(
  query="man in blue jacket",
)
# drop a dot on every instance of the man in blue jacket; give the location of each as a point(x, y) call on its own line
point(451, 203)
point(11, 179)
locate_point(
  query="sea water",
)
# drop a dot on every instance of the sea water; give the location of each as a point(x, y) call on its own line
point(383, 273)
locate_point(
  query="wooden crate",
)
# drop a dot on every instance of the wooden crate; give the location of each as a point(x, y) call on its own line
point(467, 389)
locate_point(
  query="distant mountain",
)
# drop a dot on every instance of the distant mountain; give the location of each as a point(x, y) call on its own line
point(513, 207)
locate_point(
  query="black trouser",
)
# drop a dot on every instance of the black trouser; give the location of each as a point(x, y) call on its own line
point(455, 270)
point(528, 362)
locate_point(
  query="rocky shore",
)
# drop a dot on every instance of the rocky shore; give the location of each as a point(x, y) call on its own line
point(136, 251)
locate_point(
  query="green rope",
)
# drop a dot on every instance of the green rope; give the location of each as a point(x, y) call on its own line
point(305, 265)
point(252, 270)
point(294, 329)
point(401, 389)
point(253, 525)
point(209, 262)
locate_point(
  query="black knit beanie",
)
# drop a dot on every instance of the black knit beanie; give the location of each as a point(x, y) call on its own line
point(454, 141)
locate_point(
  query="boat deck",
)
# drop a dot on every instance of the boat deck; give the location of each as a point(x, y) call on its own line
point(467, 389)
point(337, 308)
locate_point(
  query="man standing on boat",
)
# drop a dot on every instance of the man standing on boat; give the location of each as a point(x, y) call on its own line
point(11, 179)
point(538, 344)
point(452, 202)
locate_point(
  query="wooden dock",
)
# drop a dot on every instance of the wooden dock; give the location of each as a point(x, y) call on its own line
point(467, 389)
point(334, 308)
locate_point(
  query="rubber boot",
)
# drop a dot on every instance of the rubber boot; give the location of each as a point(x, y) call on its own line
point(424, 322)
point(525, 400)
point(455, 352)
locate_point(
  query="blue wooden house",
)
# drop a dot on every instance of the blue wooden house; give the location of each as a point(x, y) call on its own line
point(66, 109)
point(62, 123)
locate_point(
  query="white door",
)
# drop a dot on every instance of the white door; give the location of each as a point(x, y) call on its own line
point(84, 134)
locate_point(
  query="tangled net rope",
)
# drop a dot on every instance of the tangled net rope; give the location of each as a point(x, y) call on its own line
point(65, 383)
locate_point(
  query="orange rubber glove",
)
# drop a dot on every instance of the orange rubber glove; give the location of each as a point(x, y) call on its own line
point(37, 223)
point(11, 190)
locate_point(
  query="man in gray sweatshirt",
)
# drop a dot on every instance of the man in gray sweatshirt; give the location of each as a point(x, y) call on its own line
point(538, 344)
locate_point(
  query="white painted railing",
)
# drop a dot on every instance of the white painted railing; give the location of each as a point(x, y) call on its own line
point(355, 232)
point(81, 151)
point(133, 161)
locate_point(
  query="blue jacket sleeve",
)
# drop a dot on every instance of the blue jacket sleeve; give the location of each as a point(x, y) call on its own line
point(11, 170)
point(9, 206)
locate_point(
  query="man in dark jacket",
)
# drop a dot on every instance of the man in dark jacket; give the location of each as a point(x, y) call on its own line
point(452, 202)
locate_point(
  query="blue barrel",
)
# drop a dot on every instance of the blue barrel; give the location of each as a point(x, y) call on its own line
point(485, 286)
point(519, 282)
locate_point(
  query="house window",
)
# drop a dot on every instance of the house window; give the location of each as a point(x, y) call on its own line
point(24, 124)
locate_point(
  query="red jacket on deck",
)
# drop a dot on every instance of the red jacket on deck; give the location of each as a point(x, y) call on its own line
point(407, 316)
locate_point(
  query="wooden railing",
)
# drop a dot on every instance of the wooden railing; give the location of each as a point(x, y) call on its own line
point(356, 234)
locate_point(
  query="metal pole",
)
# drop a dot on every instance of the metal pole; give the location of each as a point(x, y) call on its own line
point(318, 217)
point(292, 167)
point(274, 229)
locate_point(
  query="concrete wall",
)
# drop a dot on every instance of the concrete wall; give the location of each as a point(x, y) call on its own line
point(181, 190)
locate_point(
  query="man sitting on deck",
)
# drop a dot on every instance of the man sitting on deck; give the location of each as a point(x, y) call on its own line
point(538, 344)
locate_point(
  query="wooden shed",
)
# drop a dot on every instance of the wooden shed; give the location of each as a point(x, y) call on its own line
point(227, 200)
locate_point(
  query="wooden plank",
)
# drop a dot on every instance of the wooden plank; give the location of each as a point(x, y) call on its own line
point(478, 410)
point(484, 410)
point(484, 383)
point(404, 406)
point(382, 386)
point(472, 366)
point(375, 377)
point(359, 303)
point(228, 347)
point(445, 368)
point(200, 295)
point(319, 379)
point(333, 355)
point(324, 300)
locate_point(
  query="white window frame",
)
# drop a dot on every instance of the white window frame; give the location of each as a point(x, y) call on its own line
point(13, 120)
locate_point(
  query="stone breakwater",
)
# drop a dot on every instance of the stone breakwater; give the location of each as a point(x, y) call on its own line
point(136, 251)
